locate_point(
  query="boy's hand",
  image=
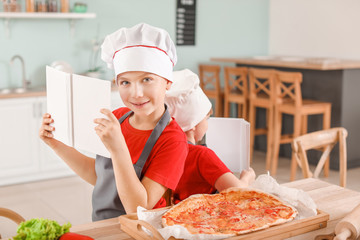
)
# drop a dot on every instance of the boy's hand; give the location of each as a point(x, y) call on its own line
point(109, 131)
point(248, 175)
point(45, 132)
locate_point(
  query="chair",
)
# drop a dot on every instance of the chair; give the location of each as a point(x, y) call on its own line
point(288, 100)
point(236, 90)
point(4, 212)
point(210, 84)
point(261, 95)
point(321, 139)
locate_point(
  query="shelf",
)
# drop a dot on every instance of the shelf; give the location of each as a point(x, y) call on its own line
point(38, 15)
point(7, 16)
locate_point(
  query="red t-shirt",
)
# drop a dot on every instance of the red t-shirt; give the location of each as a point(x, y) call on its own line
point(165, 163)
point(202, 168)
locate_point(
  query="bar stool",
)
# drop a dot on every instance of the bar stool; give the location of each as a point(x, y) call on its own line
point(288, 100)
point(236, 90)
point(210, 84)
point(261, 95)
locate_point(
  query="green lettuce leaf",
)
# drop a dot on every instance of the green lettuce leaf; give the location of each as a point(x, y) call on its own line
point(41, 229)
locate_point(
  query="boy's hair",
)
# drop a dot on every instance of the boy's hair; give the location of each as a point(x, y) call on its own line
point(186, 102)
point(140, 48)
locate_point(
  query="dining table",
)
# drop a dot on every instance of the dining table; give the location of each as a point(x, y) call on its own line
point(329, 198)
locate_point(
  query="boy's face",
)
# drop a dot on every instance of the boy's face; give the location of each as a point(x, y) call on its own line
point(143, 92)
point(201, 129)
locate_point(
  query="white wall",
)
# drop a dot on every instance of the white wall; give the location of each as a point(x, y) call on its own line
point(315, 28)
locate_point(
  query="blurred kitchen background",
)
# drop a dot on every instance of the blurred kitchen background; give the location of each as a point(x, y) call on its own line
point(230, 28)
point(227, 28)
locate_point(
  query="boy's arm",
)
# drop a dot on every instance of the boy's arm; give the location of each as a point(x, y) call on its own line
point(82, 165)
point(228, 180)
point(132, 192)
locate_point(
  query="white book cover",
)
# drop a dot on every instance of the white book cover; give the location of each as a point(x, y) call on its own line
point(229, 138)
point(74, 101)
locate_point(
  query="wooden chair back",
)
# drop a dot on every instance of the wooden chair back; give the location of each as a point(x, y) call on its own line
point(210, 84)
point(17, 218)
point(323, 140)
point(210, 77)
point(236, 81)
point(288, 87)
point(261, 84)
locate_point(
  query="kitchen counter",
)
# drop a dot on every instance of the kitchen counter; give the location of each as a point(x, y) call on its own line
point(29, 93)
point(35, 92)
point(331, 80)
point(295, 62)
point(332, 199)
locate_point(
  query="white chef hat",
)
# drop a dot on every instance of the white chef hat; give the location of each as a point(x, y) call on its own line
point(186, 101)
point(140, 48)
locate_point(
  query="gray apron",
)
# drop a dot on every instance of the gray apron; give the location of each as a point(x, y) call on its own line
point(105, 199)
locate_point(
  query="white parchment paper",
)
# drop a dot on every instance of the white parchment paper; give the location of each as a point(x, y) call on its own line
point(295, 197)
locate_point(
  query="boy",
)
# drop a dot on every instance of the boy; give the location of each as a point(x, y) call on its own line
point(148, 149)
point(204, 172)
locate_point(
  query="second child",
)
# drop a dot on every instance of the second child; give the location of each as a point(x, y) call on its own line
point(204, 172)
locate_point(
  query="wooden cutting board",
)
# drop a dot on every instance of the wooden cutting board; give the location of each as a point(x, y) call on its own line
point(132, 226)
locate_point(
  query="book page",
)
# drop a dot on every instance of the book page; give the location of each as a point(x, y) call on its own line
point(229, 138)
point(89, 96)
point(58, 97)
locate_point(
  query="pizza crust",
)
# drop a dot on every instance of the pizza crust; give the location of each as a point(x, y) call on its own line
point(239, 208)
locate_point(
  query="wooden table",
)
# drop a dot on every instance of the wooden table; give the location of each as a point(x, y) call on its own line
point(335, 200)
point(331, 80)
point(295, 62)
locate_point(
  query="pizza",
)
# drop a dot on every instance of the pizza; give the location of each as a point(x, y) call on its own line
point(233, 211)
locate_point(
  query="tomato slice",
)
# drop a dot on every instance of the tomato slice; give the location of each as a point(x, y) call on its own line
point(74, 236)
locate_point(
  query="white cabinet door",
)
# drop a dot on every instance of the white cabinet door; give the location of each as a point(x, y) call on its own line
point(19, 157)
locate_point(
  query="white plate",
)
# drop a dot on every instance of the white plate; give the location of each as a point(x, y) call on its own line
point(62, 66)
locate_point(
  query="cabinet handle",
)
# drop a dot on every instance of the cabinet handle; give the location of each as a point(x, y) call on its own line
point(34, 110)
point(40, 109)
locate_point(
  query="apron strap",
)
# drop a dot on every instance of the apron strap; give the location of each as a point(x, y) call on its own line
point(125, 116)
point(154, 136)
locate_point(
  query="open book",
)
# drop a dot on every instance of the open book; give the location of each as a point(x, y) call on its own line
point(74, 101)
point(229, 138)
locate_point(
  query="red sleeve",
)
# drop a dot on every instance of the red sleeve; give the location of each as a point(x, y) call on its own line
point(210, 166)
point(169, 165)
point(120, 112)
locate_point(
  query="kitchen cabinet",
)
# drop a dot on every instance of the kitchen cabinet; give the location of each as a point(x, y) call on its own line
point(24, 157)
point(18, 150)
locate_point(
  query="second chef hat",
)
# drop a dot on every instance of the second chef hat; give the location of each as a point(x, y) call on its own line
point(140, 48)
point(186, 101)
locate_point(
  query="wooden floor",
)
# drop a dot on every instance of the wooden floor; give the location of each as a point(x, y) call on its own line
point(69, 199)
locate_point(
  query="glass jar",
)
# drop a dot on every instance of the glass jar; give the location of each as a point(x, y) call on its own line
point(64, 5)
point(41, 6)
point(11, 6)
point(30, 5)
point(53, 6)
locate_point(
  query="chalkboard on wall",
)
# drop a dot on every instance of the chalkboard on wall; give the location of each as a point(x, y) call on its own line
point(185, 22)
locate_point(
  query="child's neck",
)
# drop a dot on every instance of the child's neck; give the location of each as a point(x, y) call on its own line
point(147, 122)
point(190, 136)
